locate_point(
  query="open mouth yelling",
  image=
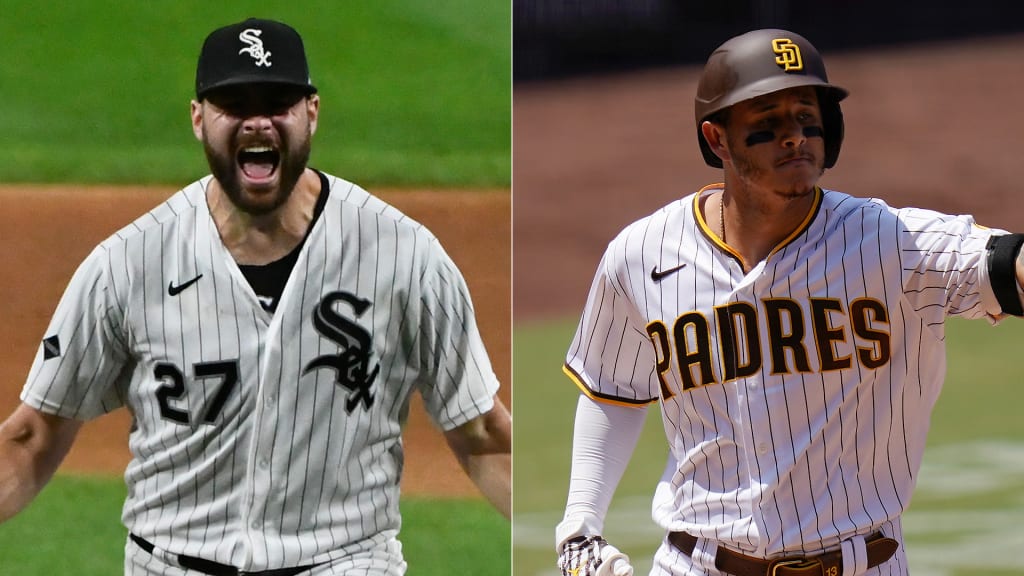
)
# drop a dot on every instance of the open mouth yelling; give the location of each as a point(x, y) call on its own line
point(259, 163)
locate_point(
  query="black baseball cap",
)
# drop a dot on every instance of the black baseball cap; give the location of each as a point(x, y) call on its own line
point(255, 51)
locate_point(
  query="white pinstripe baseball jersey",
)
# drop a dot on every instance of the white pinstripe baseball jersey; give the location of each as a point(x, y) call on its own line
point(265, 440)
point(795, 397)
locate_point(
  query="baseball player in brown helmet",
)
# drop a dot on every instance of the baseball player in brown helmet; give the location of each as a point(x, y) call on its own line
point(794, 336)
point(267, 327)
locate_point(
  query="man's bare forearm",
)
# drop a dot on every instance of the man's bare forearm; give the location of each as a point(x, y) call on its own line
point(492, 474)
point(484, 449)
point(17, 478)
point(32, 446)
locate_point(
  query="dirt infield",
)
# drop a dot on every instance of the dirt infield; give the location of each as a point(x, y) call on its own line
point(47, 230)
point(936, 126)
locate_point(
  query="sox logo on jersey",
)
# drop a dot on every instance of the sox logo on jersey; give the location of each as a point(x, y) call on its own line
point(351, 366)
point(266, 440)
point(770, 378)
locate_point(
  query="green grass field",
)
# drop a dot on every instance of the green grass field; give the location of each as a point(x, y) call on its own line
point(75, 528)
point(965, 518)
point(413, 94)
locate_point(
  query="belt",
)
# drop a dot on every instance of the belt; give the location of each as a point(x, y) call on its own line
point(879, 550)
point(216, 568)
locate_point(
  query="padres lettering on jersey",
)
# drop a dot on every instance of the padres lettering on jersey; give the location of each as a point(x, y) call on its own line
point(795, 397)
point(791, 331)
point(266, 440)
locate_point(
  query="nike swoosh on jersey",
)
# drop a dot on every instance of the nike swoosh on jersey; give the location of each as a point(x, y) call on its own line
point(175, 290)
point(657, 276)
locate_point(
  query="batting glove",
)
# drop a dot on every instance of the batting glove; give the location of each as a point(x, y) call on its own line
point(592, 556)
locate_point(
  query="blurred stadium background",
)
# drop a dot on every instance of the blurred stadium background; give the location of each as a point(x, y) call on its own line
point(557, 38)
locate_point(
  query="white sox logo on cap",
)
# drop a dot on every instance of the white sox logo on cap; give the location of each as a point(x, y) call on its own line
point(251, 36)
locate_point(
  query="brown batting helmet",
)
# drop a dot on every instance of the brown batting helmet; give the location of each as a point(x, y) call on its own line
point(762, 62)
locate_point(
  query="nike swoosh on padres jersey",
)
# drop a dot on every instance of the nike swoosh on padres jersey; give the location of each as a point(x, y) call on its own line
point(657, 276)
point(795, 397)
point(244, 451)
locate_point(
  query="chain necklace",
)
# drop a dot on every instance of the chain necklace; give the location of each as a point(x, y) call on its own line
point(721, 215)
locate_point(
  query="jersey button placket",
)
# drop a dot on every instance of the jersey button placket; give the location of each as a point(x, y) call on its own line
point(260, 480)
point(756, 426)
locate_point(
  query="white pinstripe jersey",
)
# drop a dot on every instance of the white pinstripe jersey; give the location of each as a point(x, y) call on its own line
point(796, 397)
point(265, 441)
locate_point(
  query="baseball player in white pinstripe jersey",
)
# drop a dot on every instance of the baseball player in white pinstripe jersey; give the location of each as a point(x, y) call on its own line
point(793, 335)
point(266, 326)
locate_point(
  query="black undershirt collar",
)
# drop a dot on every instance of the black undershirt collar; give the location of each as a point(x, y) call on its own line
point(268, 280)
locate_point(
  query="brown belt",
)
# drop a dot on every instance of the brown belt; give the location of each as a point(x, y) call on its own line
point(879, 548)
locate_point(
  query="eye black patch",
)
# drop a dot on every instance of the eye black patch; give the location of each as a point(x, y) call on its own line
point(769, 136)
point(760, 137)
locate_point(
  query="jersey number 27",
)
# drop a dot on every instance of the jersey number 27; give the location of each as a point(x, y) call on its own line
point(173, 388)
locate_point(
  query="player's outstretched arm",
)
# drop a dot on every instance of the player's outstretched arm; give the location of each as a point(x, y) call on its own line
point(32, 446)
point(483, 447)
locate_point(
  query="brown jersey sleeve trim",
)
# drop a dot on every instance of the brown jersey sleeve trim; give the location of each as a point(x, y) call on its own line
point(606, 398)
